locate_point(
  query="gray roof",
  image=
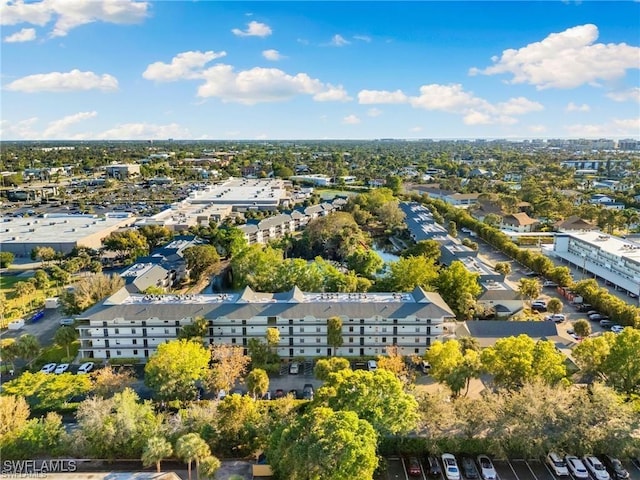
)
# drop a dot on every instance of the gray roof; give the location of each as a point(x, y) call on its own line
point(489, 331)
point(293, 304)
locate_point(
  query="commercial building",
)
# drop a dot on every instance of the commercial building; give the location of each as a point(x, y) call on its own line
point(614, 259)
point(244, 194)
point(122, 170)
point(62, 232)
point(128, 325)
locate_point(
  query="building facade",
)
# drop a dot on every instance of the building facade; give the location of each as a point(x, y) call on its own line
point(614, 259)
point(130, 325)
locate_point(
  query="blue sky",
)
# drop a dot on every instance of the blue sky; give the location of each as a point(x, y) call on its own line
point(128, 69)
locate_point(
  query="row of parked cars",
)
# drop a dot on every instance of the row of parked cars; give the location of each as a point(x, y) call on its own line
point(63, 367)
point(609, 468)
point(480, 468)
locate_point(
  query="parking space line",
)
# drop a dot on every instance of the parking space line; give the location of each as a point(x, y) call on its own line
point(531, 470)
point(404, 467)
point(513, 470)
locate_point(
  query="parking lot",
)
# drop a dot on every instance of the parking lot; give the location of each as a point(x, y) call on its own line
point(397, 469)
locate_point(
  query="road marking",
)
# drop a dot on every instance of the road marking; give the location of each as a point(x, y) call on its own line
point(531, 470)
point(513, 470)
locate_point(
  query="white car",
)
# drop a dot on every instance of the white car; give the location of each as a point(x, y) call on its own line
point(294, 368)
point(63, 367)
point(557, 464)
point(576, 467)
point(617, 329)
point(86, 367)
point(48, 368)
point(486, 468)
point(372, 365)
point(451, 470)
point(596, 468)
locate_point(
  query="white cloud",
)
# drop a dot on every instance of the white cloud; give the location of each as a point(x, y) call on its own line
point(273, 55)
point(630, 95)
point(565, 60)
point(366, 97)
point(254, 29)
point(614, 128)
point(24, 35)
point(572, 107)
point(351, 120)
point(374, 112)
point(185, 65)
point(144, 131)
point(332, 94)
point(454, 99)
point(537, 128)
point(58, 128)
point(338, 41)
point(362, 38)
point(415, 129)
point(22, 130)
point(264, 85)
point(70, 14)
point(75, 80)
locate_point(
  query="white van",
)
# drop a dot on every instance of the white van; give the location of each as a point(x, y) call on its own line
point(16, 324)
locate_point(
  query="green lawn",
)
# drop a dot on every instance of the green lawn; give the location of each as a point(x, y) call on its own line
point(56, 354)
point(8, 281)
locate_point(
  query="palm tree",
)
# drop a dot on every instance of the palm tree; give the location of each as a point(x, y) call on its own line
point(28, 346)
point(157, 449)
point(192, 447)
point(24, 291)
point(65, 336)
point(10, 351)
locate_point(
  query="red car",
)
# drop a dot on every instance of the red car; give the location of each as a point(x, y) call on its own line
point(414, 468)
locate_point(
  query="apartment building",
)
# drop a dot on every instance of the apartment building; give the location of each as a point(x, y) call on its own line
point(128, 325)
point(614, 259)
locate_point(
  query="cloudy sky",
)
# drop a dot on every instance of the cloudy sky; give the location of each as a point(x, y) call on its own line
point(129, 69)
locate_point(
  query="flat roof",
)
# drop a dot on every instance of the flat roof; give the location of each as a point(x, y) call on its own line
point(618, 246)
point(242, 192)
point(63, 228)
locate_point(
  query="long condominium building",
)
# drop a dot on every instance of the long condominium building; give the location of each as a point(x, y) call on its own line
point(614, 259)
point(129, 325)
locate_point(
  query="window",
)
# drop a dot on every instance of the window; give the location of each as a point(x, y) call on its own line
point(384, 329)
point(135, 352)
point(233, 330)
point(116, 331)
point(302, 351)
point(318, 329)
point(417, 329)
point(302, 340)
point(351, 350)
point(384, 339)
point(351, 329)
point(301, 329)
point(135, 342)
point(417, 350)
point(166, 331)
point(118, 353)
point(271, 321)
point(350, 339)
point(318, 340)
point(133, 331)
point(318, 350)
point(233, 341)
point(417, 340)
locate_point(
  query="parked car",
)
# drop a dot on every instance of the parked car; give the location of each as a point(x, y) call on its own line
point(539, 306)
point(86, 367)
point(414, 468)
point(617, 471)
point(596, 317)
point(557, 464)
point(372, 365)
point(576, 467)
point(469, 469)
point(549, 283)
point(451, 470)
point(294, 368)
point(556, 317)
point(434, 466)
point(617, 328)
point(66, 322)
point(63, 367)
point(605, 322)
point(307, 391)
point(279, 393)
point(48, 368)
point(487, 470)
point(596, 468)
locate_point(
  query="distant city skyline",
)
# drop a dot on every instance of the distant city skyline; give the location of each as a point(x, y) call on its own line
point(134, 70)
